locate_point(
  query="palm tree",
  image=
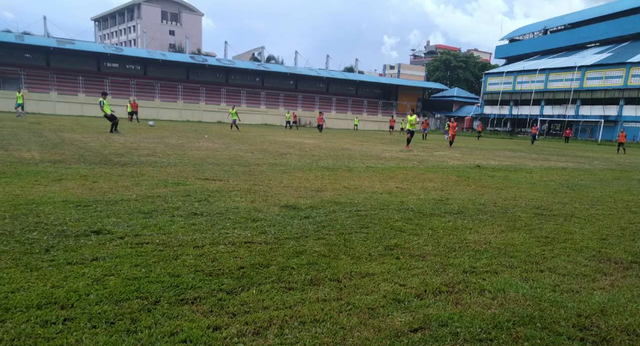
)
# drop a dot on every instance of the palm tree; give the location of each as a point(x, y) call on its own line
point(199, 51)
point(7, 30)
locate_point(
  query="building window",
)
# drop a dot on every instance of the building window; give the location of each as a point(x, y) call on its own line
point(174, 17)
point(121, 33)
point(134, 43)
point(172, 47)
point(164, 16)
point(130, 15)
point(134, 29)
point(130, 30)
point(172, 32)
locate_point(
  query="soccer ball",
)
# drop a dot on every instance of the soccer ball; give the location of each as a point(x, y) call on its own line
point(152, 124)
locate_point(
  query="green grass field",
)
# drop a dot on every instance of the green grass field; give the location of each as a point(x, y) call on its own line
point(277, 237)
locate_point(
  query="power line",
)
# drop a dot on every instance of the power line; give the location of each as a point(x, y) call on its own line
point(10, 25)
point(66, 33)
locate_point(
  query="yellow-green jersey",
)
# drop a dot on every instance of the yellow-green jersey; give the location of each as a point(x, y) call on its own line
point(234, 114)
point(356, 121)
point(412, 122)
point(105, 106)
point(287, 117)
point(403, 123)
point(19, 98)
point(129, 109)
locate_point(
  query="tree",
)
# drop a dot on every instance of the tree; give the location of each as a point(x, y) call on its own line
point(272, 59)
point(29, 33)
point(349, 69)
point(7, 30)
point(455, 69)
point(178, 48)
point(199, 51)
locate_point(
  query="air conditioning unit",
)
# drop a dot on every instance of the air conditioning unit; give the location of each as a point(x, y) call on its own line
point(164, 22)
point(173, 23)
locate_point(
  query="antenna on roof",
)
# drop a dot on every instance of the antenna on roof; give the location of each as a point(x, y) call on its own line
point(46, 29)
point(226, 50)
point(326, 64)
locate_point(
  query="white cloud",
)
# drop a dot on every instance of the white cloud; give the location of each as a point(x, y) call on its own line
point(8, 15)
point(437, 38)
point(388, 48)
point(416, 39)
point(481, 23)
point(207, 23)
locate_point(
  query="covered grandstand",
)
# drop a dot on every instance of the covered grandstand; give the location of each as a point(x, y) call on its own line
point(68, 67)
point(579, 70)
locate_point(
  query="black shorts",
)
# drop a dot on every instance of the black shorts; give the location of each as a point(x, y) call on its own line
point(133, 113)
point(392, 128)
point(111, 117)
point(620, 144)
point(320, 126)
point(534, 136)
point(479, 132)
point(287, 123)
point(411, 133)
point(295, 123)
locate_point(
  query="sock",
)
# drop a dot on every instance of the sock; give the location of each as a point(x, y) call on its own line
point(450, 143)
point(117, 123)
point(113, 125)
point(408, 141)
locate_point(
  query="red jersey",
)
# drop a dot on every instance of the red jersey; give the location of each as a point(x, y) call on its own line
point(479, 126)
point(392, 122)
point(567, 133)
point(534, 130)
point(295, 117)
point(622, 137)
point(425, 125)
point(453, 129)
point(320, 119)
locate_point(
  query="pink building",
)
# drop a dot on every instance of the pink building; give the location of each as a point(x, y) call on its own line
point(164, 25)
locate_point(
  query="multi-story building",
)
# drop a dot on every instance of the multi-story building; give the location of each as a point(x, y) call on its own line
point(164, 25)
point(404, 71)
point(580, 70)
point(484, 56)
point(430, 52)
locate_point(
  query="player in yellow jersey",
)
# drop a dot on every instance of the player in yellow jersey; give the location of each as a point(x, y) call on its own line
point(108, 113)
point(20, 104)
point(233, 113)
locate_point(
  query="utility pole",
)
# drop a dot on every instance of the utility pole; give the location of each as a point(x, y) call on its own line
point(226, 50)
point(144, 39)
point(263, 58)
point(357, 64)
point(295, 60)
point(326, 64)
point(46, 29)
point(187, 47)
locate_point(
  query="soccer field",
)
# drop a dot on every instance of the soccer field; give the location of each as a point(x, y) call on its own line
point(270, 236)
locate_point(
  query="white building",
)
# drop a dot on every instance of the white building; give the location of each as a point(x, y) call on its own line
point(151, 24)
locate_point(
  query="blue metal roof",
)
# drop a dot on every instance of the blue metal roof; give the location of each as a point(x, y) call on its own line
point(456, 94)
point(202, 60)
point(575, 17)
point(583, 36)
point(463, 111)
point(627, 52)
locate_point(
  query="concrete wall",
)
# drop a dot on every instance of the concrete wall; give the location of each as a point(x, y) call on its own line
point(158, 37)
point(53, 103)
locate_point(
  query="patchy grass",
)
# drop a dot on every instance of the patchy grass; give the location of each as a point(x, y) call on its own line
point(272, 237)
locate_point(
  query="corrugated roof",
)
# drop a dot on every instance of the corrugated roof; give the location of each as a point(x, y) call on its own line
point(462, 111)
point(41, 41)
point(457, 94)
point(620, 53)
point(575, 17)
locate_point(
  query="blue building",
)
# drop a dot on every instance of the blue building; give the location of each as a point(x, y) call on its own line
point(580, 70)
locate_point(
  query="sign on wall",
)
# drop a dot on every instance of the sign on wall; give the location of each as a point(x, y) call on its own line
point(500, 83)
point(634, 76)
point(604, 78)
point(565, 80)
point(531, 82)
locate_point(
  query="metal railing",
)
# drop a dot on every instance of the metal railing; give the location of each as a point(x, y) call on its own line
point(70, 83)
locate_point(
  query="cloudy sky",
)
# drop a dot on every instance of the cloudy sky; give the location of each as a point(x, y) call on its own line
point(375, 31)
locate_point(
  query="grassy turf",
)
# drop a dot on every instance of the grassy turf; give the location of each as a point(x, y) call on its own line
point(271, 236)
